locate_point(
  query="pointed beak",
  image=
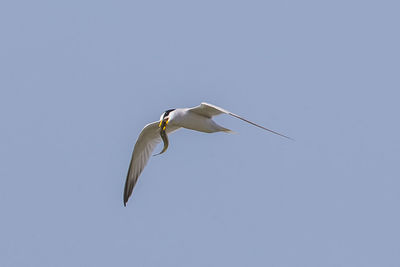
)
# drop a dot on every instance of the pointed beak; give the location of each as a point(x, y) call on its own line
point(163, 124)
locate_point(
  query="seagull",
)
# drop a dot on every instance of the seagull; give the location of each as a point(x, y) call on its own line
point(198, 118)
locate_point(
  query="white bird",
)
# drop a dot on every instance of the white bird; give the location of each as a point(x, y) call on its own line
point(198, 118)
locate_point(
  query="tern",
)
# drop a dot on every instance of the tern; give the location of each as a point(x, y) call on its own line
point(198, 118)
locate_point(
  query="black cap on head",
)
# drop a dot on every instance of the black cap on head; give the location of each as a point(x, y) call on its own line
point(166, 113)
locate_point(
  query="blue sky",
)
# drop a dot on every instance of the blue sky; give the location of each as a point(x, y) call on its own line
point(80, 79)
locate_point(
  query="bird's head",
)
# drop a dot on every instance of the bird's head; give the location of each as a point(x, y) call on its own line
point(164, 119)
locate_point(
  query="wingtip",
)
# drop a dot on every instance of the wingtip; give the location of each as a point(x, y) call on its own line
point(126, 198)
point(287, 137)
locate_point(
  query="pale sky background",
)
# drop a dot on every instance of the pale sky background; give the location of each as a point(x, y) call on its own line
point(80, 79)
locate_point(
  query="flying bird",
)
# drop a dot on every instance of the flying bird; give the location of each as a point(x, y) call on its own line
point(198, 118)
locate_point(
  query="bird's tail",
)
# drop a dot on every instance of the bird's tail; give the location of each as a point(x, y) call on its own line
point(228, 131)
point(218, 128)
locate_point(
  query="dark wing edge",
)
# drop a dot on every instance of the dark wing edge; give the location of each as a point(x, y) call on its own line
point(145, 144)
point(128, 186)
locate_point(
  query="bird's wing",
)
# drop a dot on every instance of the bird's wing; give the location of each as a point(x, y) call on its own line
point(209, 110)
point(145, 144)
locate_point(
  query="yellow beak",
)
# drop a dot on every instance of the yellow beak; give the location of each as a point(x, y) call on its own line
point(163, 124)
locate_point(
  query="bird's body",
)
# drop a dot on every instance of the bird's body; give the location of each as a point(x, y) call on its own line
point(198, 119)
point(185, 118)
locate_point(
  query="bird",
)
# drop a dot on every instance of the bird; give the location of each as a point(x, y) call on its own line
point(198, 118)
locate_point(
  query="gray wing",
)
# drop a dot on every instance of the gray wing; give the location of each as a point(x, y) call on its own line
point(209, 110)
point(145, 144)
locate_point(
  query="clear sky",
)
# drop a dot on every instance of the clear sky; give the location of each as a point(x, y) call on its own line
point(80, 79)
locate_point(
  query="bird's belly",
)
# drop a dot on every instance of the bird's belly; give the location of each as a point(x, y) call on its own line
point(199, 123)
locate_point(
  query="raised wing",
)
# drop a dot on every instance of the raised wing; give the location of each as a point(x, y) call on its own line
point(145, 144)
point(209, 110)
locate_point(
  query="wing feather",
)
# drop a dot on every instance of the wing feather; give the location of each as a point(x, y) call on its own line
point(208, 110)
point(145, 144)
